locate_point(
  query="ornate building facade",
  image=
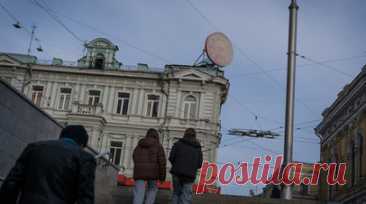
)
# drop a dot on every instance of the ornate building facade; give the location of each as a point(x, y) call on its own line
point(342, 133)
point(118, 103)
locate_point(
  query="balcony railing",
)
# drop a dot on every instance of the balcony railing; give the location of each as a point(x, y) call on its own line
point(86, 109)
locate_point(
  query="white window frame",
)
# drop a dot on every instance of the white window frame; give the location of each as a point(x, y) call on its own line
point(113, 151)
point(150, 104)
point(123, 102)
point(37, 95)
point(93, 97)
point(188, 111)
point(63, 97)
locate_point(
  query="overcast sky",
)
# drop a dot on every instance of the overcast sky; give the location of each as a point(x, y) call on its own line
point(160, 32)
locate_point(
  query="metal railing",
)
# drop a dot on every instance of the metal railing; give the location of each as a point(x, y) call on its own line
point(87, 109)
point(102, 157)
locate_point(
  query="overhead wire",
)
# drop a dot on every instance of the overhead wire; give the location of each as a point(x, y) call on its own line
point(298, 123)
point(144, 51)
point(326, 66)
point(242, 53)
point(23, 27)
point(92, 28)
point(301, 66)
point(8, 12)
point(298, 139)
point(58, 20)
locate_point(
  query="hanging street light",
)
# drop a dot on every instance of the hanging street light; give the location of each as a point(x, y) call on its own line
point(39, 49)
point(17, 25)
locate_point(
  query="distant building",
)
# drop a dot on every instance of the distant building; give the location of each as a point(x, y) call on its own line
point(304, 192)
point(118, 103)
point(307, 192)
point(342, 133)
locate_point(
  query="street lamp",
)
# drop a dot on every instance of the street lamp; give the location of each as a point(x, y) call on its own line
point(290, 94)
point(17, 25)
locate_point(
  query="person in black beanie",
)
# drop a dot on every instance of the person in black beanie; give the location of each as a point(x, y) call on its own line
point(55, 171)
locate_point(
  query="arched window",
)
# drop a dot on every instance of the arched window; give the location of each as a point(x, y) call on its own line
point(99, 61)
point(190, 107)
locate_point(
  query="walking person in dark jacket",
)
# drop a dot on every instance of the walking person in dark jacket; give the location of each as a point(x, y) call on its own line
point(186, 159)
point(53, 172)
point(150, 166)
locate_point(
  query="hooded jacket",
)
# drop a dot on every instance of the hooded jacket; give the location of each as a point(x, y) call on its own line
point(186, 159)
point(149, 160)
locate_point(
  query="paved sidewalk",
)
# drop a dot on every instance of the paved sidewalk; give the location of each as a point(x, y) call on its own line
point(124, 195)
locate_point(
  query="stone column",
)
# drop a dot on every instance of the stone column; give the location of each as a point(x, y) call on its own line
point(127, 154)
point(134, 101)
point(109, 108)
point(82, 98)
point(106, 97)
point(54, 95)
point(141, 101)
point(48, 94)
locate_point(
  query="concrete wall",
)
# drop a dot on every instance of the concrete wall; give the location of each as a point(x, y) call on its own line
point(21, 123)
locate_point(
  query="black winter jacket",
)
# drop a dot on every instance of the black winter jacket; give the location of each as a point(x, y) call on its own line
point(186, 159)
point(51, 172)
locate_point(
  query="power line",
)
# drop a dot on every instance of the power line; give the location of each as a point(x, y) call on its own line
point(7, 11)
point(300, 66)
point(252, 61)
point(324, 65)
point(93, 28)
point(263, 148)
point(241, 52)
point(57, 20)
point(255, 115)
point(146, 52)
point(19, 25)
point(299, 123)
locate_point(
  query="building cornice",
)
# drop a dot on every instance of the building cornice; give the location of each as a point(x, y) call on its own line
point(348, 106)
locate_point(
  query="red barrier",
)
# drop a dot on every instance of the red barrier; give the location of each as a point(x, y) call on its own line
point(123, 180)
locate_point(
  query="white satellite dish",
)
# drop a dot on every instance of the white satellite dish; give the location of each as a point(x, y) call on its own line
point(219, 49)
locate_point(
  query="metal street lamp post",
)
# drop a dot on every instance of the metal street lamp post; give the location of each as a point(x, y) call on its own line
point(290, 95)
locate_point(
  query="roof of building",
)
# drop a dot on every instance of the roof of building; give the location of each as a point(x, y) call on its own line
point(23, 58)
point(346, 89)
point(105, 42)
point(341, 97)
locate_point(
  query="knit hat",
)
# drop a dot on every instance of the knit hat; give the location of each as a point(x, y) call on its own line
point(76, 133)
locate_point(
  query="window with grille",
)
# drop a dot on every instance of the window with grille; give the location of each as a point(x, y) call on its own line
point(152, 105)
point(190, 107)
point(37, 93)
point(64, 99)
point(115, 149)
point(94, 97)
point(122, 103)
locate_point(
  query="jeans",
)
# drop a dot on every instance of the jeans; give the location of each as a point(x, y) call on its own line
point(182, 192)
point(139, 192)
